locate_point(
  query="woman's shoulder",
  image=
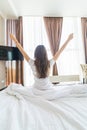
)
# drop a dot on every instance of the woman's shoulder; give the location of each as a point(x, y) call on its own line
point(31, 61)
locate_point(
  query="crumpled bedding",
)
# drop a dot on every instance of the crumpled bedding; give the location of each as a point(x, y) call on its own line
point(51, 93)
point(60, 107)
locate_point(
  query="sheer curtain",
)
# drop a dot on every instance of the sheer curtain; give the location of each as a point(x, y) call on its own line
point(34, 34)
point(73, 55)
point(69, 61)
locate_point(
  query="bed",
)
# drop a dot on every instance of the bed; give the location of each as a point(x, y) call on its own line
point(63, 107)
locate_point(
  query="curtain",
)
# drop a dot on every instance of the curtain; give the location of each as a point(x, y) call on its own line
point(14, 69)
point(84, 33)
point(54, 29)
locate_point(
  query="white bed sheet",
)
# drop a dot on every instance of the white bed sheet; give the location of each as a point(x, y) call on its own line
point(60, 108)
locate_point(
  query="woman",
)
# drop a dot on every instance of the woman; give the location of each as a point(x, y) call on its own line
point(25, 108)
point(41, 65)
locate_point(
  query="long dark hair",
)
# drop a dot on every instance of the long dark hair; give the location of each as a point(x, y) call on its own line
point(41, 61)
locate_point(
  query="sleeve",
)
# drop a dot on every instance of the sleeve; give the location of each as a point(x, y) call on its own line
point(52, 62)
point(31, 62)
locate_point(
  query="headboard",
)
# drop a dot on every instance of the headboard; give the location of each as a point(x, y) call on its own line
point(10, 53)
point(64, 78)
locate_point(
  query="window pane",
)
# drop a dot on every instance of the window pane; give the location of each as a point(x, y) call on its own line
point(73, 55)
point(35, 34)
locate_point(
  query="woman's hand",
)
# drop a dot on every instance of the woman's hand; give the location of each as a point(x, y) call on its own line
point(70, 37)
point(13, 38)
point(20, 47)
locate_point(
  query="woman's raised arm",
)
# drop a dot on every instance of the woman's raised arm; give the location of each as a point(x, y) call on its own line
point(20, 47)
point(70, 37)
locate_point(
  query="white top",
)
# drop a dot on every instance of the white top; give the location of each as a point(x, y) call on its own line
point(40, 83)
point(33, 67)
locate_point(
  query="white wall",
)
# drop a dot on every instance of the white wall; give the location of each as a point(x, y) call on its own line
point(2, 63)
point(2, 31)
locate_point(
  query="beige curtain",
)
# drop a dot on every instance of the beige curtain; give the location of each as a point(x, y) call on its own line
point(84, 33)
point(14, 69)
point(54, 29)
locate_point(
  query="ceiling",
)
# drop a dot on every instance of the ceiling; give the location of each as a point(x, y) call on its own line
point(67, 8)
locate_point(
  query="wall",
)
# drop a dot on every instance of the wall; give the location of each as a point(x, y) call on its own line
point(2, 31)
point(2, 63)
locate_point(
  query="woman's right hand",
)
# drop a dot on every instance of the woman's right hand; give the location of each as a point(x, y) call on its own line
point(13, 38)
point(20, 47)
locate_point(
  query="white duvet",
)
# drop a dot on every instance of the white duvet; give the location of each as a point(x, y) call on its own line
point(61, 107)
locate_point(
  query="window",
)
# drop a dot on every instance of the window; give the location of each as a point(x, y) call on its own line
point(73, 55)
point(35, 33)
